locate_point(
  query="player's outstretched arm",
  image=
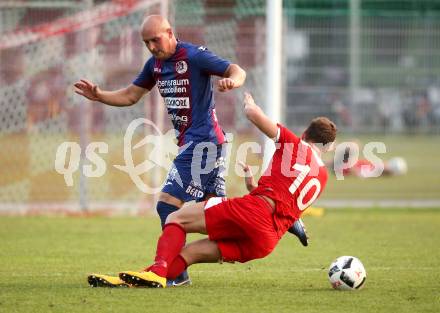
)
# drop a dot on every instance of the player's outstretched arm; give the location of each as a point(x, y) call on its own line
point(234, 77)
point(249, 176)
point(122, 97)
point(258, 118)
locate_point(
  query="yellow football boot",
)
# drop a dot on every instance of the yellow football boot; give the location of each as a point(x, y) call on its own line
point(143, 279)
point(99, 280)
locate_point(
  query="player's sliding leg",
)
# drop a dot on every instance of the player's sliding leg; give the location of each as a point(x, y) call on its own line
point(164, 208)
point(299, 230)
point(189, 218)
point(177, 269)
point(147, 279)
point(200, 251)
point(99, 280)
point(182, 279)
point(169, 246)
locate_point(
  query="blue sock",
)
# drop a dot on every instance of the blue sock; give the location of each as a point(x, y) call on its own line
point(164, 209)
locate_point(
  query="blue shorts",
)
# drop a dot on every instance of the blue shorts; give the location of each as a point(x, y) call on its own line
point(197, 172)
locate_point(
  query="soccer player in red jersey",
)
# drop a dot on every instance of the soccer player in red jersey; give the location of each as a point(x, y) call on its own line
point(298, 228)
point(249, 227)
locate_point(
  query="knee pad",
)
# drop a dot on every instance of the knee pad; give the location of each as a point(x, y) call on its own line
point(164, 209)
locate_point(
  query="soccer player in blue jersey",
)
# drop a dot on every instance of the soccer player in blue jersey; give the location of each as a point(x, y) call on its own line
point(182, 72)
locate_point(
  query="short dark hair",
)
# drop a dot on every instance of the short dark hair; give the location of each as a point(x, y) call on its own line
point(321, 130)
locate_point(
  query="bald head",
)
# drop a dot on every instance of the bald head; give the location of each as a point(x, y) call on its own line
point(154, 23)
point(158, 36)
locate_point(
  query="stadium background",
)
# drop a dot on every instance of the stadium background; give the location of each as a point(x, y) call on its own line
point(373, 66)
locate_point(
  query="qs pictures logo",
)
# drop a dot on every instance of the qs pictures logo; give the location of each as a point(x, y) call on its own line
point(161, 155)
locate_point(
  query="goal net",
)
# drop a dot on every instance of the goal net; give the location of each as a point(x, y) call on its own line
point(44, 49)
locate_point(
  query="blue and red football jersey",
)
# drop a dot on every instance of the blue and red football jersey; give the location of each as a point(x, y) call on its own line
point(184, 82)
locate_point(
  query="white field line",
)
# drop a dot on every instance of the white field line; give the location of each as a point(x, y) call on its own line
point(381, 203)
point(120, 208)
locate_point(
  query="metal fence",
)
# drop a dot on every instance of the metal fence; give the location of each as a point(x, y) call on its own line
point(46, 46)
point(374, 66)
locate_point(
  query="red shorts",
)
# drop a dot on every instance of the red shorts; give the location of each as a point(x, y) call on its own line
point(242, 227)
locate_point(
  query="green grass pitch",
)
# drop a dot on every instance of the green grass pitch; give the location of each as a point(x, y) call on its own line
point(45, 261)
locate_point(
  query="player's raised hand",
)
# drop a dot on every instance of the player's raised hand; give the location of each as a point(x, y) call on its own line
point(225, 84)
point(256, 115)
point(248, 176)
point(87, 89)
point(249, 104)
point(246, 169)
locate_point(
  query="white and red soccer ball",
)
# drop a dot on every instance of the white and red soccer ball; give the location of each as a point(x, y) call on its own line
point(347, 273)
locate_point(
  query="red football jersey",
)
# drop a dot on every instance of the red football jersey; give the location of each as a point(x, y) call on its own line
point(294, 179)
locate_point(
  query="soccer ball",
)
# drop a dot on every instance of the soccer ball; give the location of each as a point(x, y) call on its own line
point(397, 166)
point(347, 273)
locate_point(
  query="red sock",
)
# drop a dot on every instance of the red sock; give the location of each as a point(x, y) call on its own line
point(168, 247)
point(177, 267)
